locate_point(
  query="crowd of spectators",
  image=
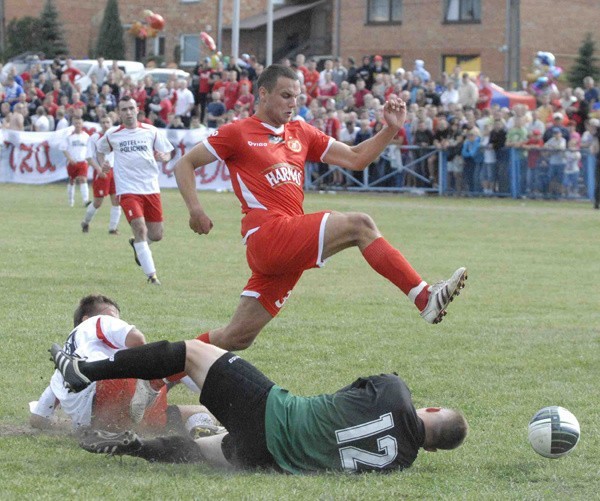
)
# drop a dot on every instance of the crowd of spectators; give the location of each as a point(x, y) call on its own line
point(454, 113)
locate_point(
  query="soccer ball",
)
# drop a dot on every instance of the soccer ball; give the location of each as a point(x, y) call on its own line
point(553, 432)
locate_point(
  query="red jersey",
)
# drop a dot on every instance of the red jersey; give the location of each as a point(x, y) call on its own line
point(232, 92)
point(266, 165)
point(204, 80)
point(311, 81)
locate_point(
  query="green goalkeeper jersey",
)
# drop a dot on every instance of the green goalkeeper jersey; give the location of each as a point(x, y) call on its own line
point(368, 425)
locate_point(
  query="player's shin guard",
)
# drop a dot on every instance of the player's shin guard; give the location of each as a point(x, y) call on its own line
point(150, 361)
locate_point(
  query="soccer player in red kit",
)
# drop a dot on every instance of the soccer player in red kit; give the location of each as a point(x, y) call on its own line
point(265, 155)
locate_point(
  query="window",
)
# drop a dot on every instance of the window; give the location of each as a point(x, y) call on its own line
point(140, 49)
point(159, 46)
point(462, 11)
point(190, 49)
point(384, 11)
point(468, 64)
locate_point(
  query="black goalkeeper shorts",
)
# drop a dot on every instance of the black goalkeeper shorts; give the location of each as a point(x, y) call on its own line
point(236, 393)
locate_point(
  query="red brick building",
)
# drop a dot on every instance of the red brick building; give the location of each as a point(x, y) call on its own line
point(440, 32)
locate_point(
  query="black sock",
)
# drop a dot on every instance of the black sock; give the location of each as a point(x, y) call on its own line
point(151, 361)
point(172, 449)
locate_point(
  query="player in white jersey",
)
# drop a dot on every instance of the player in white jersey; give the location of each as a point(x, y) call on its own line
point(74, 148)
point(117, 404)
point(103, 184)
point(137, 147)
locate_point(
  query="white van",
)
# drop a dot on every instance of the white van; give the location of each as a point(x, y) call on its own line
point(88, 66)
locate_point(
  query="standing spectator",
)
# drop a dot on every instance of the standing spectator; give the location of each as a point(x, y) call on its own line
point(107, 98)
point(364, 71)
point(352, 71)
point(423, 138)
point(137, 148)
point(327, 89)
point(535, 176)
point(103, 184)
point(71, 71)
point(327, 68)
point(246, 99)
point(377, 68)
point(60, 122)
point(557, 123)
point(468, 93)
point(420, 71)
point(516, 137)
point(204, 72)
point(471, 154)
point(591, 94)
point(340, 73)
point(100, 71)
point(215, 111)
point(361, 92)
point(498, 141)
point(571, 177)
point(535, 124)
point(164, 106)
point(184, 103)
point(489, 170)
point(484, 100)
point(232, 90)
point(311, 79)
point(42, 122)
point(557, 160)
point(75, 149)
point(454, 157)
point(12, 91)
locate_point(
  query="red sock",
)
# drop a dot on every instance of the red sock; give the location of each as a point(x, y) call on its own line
point(204, 338)
point(391, 264)
point(178, 377)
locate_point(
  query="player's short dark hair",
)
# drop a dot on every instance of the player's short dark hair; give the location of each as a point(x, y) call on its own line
point(92, 305)
point(268, 78)
point(125, 98)
point(451, 433)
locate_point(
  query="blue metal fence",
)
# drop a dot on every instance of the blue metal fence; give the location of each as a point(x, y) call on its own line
point(428, 170)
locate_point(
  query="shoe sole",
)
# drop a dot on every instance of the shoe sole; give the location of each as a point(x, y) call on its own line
point(137, 261)
point(109, 446)
point(460, 285)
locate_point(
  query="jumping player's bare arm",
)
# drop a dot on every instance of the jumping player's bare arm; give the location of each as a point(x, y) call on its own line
point(186, 181)
point(360, 156)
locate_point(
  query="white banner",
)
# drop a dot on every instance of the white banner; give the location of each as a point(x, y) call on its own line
point(35, 158)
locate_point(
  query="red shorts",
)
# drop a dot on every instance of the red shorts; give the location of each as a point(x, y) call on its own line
point(78, 169)
point(111, 406)
point(147, 206)
point(104, 186)
point(279, 252)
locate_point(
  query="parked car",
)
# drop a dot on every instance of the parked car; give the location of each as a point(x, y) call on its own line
point(88, 66)
point(162, 75)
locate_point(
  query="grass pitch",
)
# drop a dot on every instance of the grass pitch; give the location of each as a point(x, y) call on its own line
point(524, 334)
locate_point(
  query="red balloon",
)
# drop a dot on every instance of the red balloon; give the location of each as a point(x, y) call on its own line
point(156, 21)
point(208, 41)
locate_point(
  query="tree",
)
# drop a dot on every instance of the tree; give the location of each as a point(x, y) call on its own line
point(110, 40)
point(51, 32)
point(585, 63)
point(23, 35)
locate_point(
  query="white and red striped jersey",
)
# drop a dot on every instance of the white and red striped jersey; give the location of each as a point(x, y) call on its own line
point(96, 338)
point(92, 149)
point(135, 168)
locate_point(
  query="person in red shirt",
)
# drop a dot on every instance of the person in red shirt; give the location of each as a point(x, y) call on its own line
point(205, 74)
point(361, 92)
point(71, 71)
point(485, 94)
point(311, 79)
point(266, 155)
point(246, 99)
point(232, 90)
point(164, 107)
